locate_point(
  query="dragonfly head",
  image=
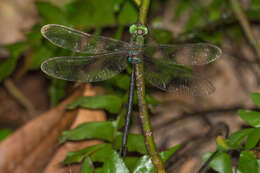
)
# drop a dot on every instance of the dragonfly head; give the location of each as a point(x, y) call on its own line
point(138, 30)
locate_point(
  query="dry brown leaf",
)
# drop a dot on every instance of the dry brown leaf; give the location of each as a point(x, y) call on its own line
point(27, 139)
point(84, 115)
point(40, 156)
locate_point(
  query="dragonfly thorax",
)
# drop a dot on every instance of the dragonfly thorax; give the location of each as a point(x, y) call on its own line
point(133, 56)
point(134, 60)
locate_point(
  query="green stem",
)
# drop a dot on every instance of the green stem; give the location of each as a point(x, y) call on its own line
point(242, 18)
point(143, 10)
point(140, 85)
point(137, 2)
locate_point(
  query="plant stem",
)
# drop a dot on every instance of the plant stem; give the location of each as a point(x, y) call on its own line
point(19, 96)
point(140, 85)
point(143, 10)
point(137, 2)
point(241, 16)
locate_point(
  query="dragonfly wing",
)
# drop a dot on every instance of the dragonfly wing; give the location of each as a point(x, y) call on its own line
point(77, 41)
point(185, 54)
point(175, 78)
point(85, 68)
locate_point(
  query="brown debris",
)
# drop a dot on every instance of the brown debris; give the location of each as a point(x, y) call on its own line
point(17, 147)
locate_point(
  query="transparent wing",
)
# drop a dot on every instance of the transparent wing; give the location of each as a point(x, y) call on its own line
point(184, 54)
point(85, 68)
point(78, 41)
point(175, 78)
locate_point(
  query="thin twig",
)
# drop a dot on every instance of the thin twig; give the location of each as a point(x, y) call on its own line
point(242, 18)
point(19, 96)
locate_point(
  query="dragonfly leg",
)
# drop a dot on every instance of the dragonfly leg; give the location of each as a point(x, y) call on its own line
point(123, 148)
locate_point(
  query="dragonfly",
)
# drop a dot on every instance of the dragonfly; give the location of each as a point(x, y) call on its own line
point(171, 68)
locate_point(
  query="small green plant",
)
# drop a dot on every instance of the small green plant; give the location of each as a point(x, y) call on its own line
point(106, 152)
point(243, 142)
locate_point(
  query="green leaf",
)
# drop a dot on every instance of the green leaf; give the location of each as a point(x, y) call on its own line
point(114, 164)
point(220, 163)
point(117, 5)
point(255, 4)
point(256, 98)
point(90, 130)
point(91, 13)
point(78, 156)
point(194, 19)
point(130, 162)
point(4, 133)
point(167, 154)
point(181, 7)
point(215, 37)
point(87, 166)
point(50, 13)
point(38, 55)
point(145, 165)
point(34, 37)
point(102, 155)
point(251, 117)
point(128, 14)
point(8, 66)
point(122, 81)
point(135, 143)
point(237, 137)
point(253, 138)
point(247, 163)
point(162, 36)
point(111, 103)
point(215, 10)
point(120, 120)
point(57, 90)
point(151, 100)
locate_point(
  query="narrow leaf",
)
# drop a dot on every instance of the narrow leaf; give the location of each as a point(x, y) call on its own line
point(167, 154)
point(78, 156)
point(90, 130)
point(111, 103)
